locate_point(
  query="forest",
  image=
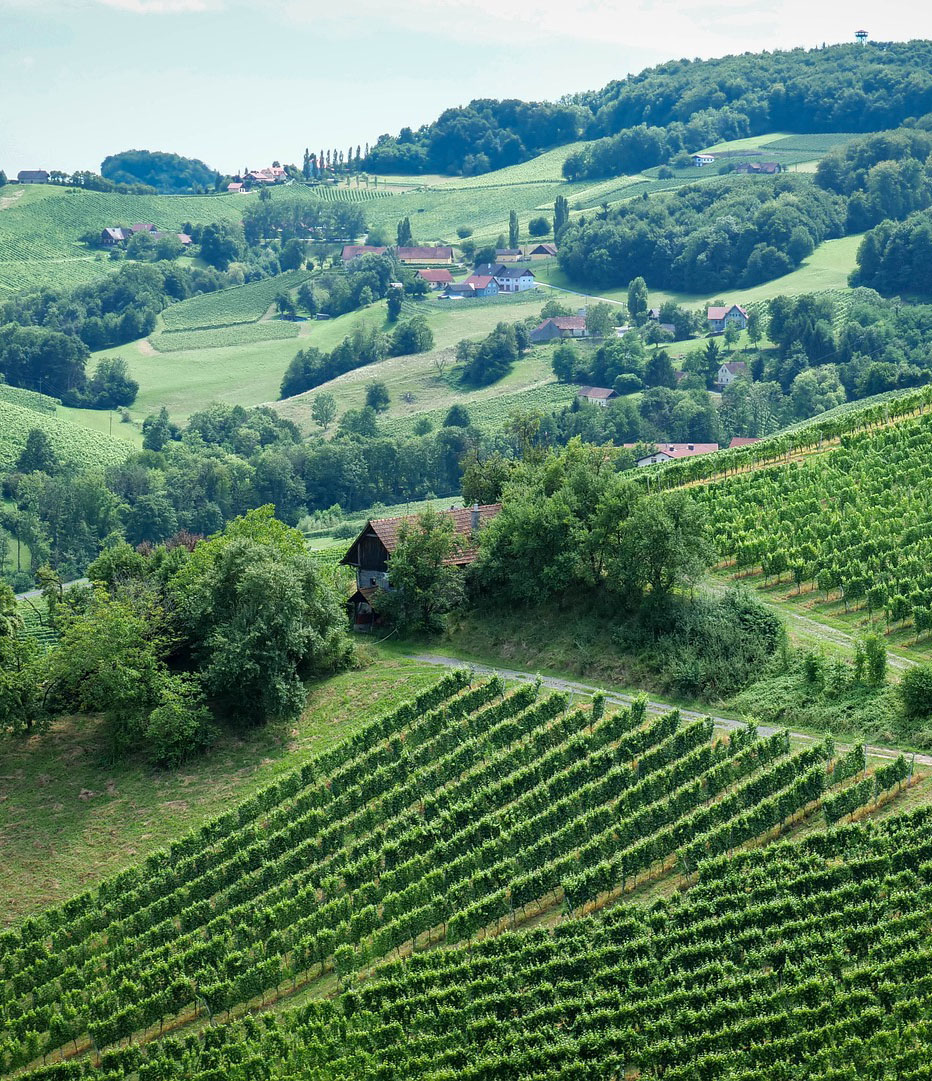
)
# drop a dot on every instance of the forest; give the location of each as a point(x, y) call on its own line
point(682, 104)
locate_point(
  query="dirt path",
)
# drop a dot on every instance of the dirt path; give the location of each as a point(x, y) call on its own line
point(6, 201)
point(146, 348)
point(619, 698)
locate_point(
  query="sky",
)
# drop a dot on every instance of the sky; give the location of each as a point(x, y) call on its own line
point(240, 83)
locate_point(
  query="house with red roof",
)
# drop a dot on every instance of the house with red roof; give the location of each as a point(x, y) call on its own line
point(370, 553)
point(721, 316)
point(436, 277)
point(741, 441)
point(484, 285)
point(668, 452)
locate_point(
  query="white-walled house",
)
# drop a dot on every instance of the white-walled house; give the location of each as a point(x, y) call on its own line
point(721, 316)
point(728, 373)
point(703, 159)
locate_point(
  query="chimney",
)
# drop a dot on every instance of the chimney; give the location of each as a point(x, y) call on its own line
point(474, 524)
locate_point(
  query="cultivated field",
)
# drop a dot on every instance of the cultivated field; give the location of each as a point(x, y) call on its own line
point(73, 443)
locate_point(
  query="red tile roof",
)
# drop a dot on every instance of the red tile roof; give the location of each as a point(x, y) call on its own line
point(437, 274)
point(478, 281)
point(568, 322)
point(719, 312)
point(740, 441)
point(679, 450)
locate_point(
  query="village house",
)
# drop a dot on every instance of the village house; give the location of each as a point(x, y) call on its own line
point(559, 326)
point(114, 235)
point(741, 441)
point(370, 552)
point(720, 317)
point(543, 251)
point(699, 160)
point(32, 176)
point(668, 452)
point(436, 277)
point(236, 187)
point(758, 168)
point(458, 291)
point(508, 255)
point(483, 285)
point(513, 279)
point(729, 372)
point(600, 396)
point(354, 251)
point(442, 254)
point(119, 234)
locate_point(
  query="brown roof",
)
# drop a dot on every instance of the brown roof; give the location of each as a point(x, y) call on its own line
point(544, 249)
point(568, 322)
point(351, 251)
point(437, 274)
point(32, 174)
point(740, 441)
point(736, 367)
point(426, 255)
point(143, 227)
point(478, 281)
point(388, 529)
point(596, 392)
point(719, 312)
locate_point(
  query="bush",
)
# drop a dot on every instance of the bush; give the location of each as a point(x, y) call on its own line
point(915, 693)
point(538, 226)
point(179, 727)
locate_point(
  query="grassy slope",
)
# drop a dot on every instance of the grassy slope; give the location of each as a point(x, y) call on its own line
point(417, 375)
point(73, 443)
point(55, 839)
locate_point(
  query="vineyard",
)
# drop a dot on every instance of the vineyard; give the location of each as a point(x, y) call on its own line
point(241, 304)
point(333, 194)
point(74, 444)
point(853, 524)
point(176, 341)
point(39, 236)
point(458, 814)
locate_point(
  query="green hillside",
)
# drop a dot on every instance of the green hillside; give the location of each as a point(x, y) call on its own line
point(73, 443)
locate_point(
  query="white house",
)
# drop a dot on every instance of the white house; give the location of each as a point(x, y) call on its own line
point(728, 373)
point(703, 159)
point(668, 452)
point(597, 395)
point(513, 279)
point(720, 316)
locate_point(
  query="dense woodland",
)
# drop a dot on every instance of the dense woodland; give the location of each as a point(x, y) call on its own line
point(679, 105)
point(168, 174)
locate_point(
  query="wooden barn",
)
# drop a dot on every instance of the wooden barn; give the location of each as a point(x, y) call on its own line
point(370, 552)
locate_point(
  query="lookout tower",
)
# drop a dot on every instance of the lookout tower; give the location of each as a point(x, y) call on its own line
point(861, 35)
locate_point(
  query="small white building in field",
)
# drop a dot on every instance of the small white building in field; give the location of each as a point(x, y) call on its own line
point(703, 159)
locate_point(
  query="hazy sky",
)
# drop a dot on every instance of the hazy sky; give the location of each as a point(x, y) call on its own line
point(238, 83)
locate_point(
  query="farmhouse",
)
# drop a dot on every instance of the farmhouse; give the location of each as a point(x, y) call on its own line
point(758, 168)
point(354, 251)
point(513, 279)
point(236, 187)
point(600, 396)
point(424, 255)
point(741, 441)
point(668, 452)
point(436, 277)
point(483, 285)
point(559, 326)
point(32, 176)
point(720, 317)
point(371, 550)
point(114, 235)
point(728, 373)
point(703, 159)
point(458, 291)
point(143, 227)
point(508, 255)
point(543, 251)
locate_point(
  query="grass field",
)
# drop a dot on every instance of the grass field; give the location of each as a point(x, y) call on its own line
point(414, 382)
point(67, 820)
point(826, 269)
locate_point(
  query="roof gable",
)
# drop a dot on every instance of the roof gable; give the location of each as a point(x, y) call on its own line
point(388, 530)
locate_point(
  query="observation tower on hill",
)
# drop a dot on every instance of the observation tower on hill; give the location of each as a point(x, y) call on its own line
point(861, 35)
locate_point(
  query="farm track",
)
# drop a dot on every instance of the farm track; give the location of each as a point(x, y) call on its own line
point(654, 705)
